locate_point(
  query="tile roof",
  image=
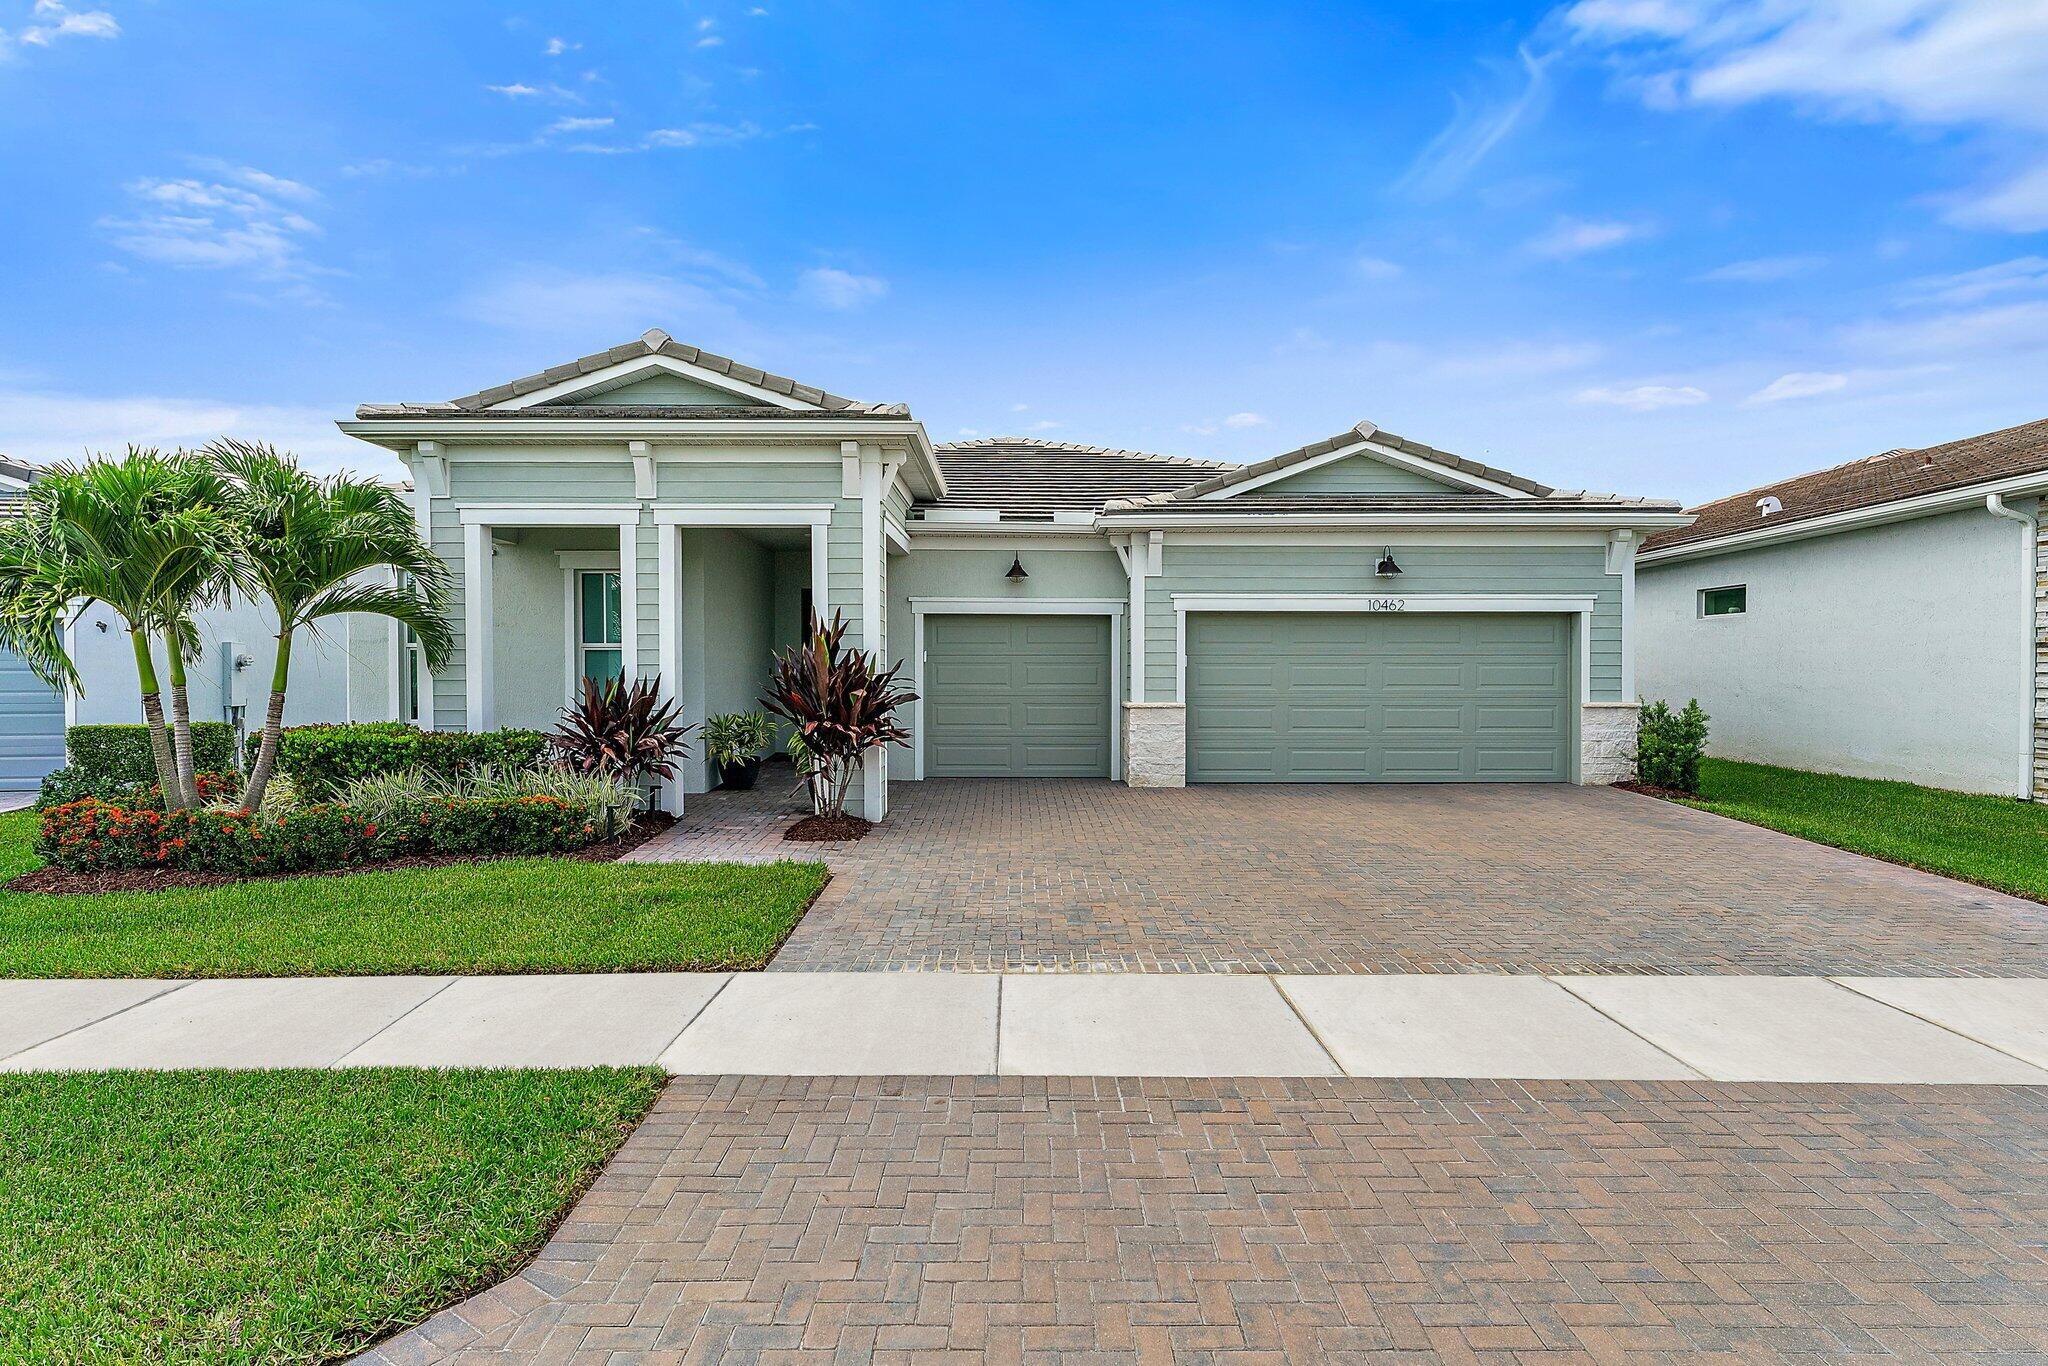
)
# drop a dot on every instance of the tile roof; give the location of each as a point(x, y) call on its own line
point(16, 469)
point(1870, 482)
point(653, 342)
point(1364, 431)
point(618, 411)
point(1026, 474)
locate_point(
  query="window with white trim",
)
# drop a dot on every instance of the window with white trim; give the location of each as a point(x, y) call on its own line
point(1729, 601)
point(600, 627)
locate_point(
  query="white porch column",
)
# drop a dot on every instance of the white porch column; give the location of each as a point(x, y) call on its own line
point(629, 599)
point(668, 629)
point(874, 771)
point(478, 644)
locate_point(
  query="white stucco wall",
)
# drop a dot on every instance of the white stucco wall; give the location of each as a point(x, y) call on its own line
point(1893, 652)
point(340, 674)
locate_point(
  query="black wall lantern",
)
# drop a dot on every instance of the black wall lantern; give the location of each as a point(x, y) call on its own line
point(1386, 569)
point(1017, 573)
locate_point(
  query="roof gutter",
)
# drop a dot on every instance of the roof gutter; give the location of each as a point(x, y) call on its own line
point(1640, 519)
point(1877, 514)
point(2029, 592)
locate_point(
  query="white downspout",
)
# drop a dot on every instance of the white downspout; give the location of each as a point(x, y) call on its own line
point(1995, 505)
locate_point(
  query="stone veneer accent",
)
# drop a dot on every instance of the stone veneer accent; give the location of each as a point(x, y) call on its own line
point(2041, 657)
point(1155, 743)
point(1607, 742)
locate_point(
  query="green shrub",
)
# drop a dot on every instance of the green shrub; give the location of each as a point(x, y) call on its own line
point(1669, 746)
point(322, 760)
point(113, 761)
point(737, 737)
point(504, 825)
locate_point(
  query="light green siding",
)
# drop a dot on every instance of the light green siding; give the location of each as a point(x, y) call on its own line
point(1020, 696)
point(667, 390)
point(1354, 474)
point(1450, 568)
point(1386, 697)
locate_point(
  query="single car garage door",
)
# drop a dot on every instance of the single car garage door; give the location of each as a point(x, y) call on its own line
point(31, 727)
point(1016, 697)
point(1378, 698)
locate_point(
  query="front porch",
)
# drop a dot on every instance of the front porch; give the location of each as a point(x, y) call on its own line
point(561, 595)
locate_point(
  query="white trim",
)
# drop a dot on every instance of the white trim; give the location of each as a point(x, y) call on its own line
point(668, 539)
point(1396, 536)
point(629, 601)
point(1898, 510)
point(621, 373)
point(643, 469)
point(967, 535)
point(874, 776)
point(1576, 519)
point(575, 564)
point(1621, 562)
point(478, 641)
point(741, 514)
point(1135, 564)
point(1113, 608)
point(1367, 447)
point(1576, 605)
point(894, 534)
point(548, 514)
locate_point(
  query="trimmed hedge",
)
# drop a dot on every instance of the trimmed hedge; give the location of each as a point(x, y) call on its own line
point(91, 835)
point(114, 761)
point(321, 760)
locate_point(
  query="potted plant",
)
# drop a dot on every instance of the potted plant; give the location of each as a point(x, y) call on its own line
point(735, 743)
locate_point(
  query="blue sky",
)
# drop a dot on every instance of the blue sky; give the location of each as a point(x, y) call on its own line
point(1672, 247)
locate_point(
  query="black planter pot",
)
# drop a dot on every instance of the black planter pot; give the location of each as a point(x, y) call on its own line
point(739, 777)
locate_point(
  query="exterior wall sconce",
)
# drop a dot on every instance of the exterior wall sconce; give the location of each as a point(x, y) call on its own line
point(1017, 573)
point(1386, 568)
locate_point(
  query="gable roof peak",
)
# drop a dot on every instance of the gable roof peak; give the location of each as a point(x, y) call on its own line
point(1358, 434)
point(654, 339)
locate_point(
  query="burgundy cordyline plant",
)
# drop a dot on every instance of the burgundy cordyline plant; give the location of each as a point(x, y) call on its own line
point(621, 730)
point(841, 705)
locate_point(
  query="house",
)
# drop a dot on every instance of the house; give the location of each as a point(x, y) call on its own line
point(1365, 608)
point(1880, 618)
point(31, 716)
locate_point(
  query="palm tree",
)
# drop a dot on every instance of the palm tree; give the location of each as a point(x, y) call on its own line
point(306, 545)
point(130, 533)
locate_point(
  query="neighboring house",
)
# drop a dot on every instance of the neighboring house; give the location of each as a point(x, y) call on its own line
point(1881, 618)
point(1363, 609)
point(31, 713)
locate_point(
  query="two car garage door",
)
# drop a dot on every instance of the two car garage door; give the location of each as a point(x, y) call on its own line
point(1272, 697)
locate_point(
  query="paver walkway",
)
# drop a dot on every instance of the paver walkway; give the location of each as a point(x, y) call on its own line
point(1785, 1029)
point(1028, 1219)
point(1078, 875)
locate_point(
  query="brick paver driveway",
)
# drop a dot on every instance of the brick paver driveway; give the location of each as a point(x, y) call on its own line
point(1067, 874)
point(782, 1219)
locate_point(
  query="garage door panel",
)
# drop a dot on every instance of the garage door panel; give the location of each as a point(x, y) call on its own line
point(1289, 697)
point(31, 726)
point(1016, 696)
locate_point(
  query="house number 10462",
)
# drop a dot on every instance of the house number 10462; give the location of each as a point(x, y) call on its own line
point(1386, 604)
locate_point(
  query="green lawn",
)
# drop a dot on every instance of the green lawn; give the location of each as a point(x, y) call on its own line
point(1997, 841)
point(280, 1216)
point(509, 915)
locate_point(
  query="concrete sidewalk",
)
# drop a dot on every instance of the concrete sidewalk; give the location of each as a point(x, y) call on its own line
point(1894, 1030)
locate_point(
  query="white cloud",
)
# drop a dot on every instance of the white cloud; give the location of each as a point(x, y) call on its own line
point(1798, 384)
point(830, 287)
point(1517, 95)
point(1243, 420)
point(1942, 63)
point(2002, 329)
point(54, 21)
point(597, 304)
point(2022, 274)
point(515, 91)
point(1764, 269)
point(578, 125)
point(711, 40)
point(1043, 425)
point(219, 224)
point(1515, 360)
point(1375, 268)
point(557, 46)
point(1578, 237)
point(45, 425)
point(1645, 398)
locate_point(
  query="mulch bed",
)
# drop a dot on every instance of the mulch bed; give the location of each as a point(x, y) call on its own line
point(57, 880)
point(828, 829)
point(1669, 794)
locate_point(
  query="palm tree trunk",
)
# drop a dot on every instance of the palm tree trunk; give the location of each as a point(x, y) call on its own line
point(181, 723)
point(153, 716)
point(273, 726)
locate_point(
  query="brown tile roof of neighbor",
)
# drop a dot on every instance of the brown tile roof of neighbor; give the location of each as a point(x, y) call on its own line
point(1025, 474)
point(653, 342)
point(1872, 481)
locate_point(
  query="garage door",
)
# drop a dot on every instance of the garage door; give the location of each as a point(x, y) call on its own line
point(1378, 698)
point(1016, 697)
point(31, 727)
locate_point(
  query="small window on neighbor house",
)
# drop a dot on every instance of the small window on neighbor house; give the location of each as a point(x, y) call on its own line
point(599, 635)
point(1724, 602)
